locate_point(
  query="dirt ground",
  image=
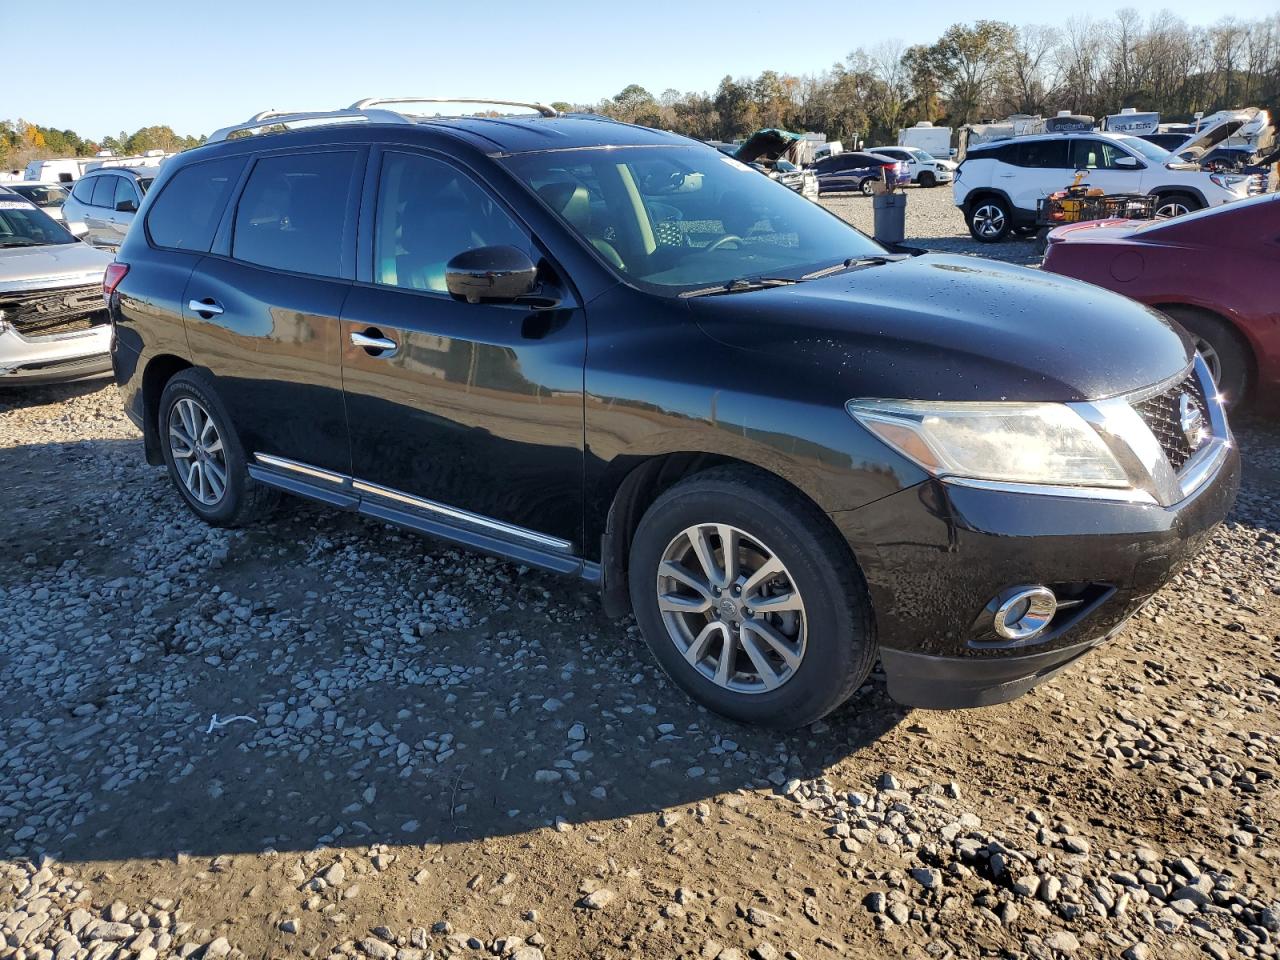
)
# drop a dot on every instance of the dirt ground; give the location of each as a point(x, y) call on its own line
point(446, 755)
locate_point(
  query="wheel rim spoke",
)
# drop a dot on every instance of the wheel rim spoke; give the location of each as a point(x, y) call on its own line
point(768, 676)
point(728, 653)
point(702, 550)
point(781, 603)
point(769, 634)
point(698, 649)
point(197, 451)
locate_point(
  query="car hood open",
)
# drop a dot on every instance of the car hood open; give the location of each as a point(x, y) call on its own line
point(1198, 144)
point(940, 327)
point(767, 144)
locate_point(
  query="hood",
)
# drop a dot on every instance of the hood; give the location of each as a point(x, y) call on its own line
point(1199, 143)
point(56, 265)
point(951, 328)
point(767, 144)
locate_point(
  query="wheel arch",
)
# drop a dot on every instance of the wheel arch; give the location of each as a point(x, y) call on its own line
point(1233, 328)
point(1168, 191)
point(640, 487)
point(158, 372)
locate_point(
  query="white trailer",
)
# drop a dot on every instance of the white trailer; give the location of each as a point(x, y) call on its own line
point(935, 141)
point(1132, 121)
point(65, 170)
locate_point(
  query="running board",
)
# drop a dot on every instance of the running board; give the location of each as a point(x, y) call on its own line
point(455, 525)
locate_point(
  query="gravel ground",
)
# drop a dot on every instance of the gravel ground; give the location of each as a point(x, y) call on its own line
point(328, 737)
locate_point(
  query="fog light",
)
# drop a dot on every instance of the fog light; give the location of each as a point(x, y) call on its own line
point(1024, 612)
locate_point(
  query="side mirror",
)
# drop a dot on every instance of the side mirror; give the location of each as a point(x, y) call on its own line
point(491, 275)
point(1127, 163)
point(127, 206)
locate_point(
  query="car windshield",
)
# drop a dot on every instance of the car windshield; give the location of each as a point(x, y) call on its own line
point(22, 225)
point(1153, 152)
point(921, 156)
point(674, 218)
point(41, 194)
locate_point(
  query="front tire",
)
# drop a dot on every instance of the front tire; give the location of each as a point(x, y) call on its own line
point(927, 179)
point(750, 600)
point(990, 220)
point(1224, 353)
point(204, 457)
point(1175, 205)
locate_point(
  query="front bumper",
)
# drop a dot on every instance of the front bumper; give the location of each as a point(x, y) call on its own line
point(934, 556)
point(59, 358)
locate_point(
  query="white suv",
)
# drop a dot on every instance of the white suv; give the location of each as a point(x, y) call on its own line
point(998, 184)
point(922, 168)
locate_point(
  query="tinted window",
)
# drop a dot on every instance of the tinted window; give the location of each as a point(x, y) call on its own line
point(125, 192)
point(186, 213)
point(104, 191)
point(428, 213)
point(293, 213)
point(83, 191)
point(1042, 153)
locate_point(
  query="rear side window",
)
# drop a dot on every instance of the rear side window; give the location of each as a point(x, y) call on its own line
point(1042, 154)
point(104, 191)
point(293, 213)
point(185, 216)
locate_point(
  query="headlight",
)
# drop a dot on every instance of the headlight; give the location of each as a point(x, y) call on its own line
point(1040, 443)
point(1227, 180)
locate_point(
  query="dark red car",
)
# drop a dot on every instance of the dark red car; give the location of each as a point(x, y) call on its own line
point(1216, 271)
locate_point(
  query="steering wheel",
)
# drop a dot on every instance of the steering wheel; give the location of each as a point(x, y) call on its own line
point(722, 241)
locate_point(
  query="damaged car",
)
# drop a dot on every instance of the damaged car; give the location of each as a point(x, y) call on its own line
point(53, 320)
point(778, 155)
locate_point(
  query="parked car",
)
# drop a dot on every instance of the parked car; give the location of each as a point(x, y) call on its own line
point(857, 170)
point(49, 197)
point(999, 184)
point(1217, 272)
point(103, 203)
point(803, 182)
point(788, 451)
point(921, 168)
point(53, 321)
point(1235, 159)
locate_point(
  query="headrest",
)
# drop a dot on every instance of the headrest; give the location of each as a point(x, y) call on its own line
point(570, 200)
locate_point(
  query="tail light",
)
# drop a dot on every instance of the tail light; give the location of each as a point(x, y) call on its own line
point(111, 279)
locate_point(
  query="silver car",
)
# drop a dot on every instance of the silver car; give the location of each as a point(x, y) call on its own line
point(53, 320)
point(103, 202)
point(49, 197)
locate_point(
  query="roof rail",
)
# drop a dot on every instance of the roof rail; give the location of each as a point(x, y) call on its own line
point(368, 102)
point(282, 118)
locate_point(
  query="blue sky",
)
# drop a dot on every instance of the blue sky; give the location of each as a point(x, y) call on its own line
point(199, 64)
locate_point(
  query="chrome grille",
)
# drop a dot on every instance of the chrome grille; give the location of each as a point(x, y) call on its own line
point(44, 313)
point(1161, 414)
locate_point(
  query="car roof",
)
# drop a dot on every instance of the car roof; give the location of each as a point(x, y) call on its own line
point(142, 173)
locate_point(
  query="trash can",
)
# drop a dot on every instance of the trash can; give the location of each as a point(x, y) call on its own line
point(890, 210)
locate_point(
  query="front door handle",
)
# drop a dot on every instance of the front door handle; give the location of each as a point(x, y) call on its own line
point(208, 307)
point(374, 343)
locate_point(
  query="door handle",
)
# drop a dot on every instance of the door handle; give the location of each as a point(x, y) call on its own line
point(208, 307)
point(374, 343)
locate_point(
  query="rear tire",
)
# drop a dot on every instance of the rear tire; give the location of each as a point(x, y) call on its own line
point(205, 459)
point(866, 187)
point(1224, 352)
point(788, 664)
point(990, 220)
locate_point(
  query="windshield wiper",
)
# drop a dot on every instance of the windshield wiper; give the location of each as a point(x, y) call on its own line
point(19, 242)
point(872, 261)
point(741, 285)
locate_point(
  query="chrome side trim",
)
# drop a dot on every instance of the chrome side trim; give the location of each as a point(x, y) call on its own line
point(508, 530)
point(1115, 494)
point(293, 466)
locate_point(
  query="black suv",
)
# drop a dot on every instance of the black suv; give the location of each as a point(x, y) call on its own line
point(617, 354)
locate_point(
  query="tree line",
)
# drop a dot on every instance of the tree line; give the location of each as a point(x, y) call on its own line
point(987, 70)
point(21, 142)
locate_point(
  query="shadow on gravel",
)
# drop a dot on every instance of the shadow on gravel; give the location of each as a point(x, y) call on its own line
point(399, 691)
point(14, 397)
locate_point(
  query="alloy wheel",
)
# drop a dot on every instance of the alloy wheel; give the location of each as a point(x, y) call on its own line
point(1171, 208)
point(198, 454)
point(731, 608)
point(1211, 359)
point(988, 220)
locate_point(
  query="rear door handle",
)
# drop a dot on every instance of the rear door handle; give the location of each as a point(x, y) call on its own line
point(374, 343)
point(208, 307)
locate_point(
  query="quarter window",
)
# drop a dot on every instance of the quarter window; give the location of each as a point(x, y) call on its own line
point(186, 214)
point(429, 212)
point(293, 213)
point(124, 192)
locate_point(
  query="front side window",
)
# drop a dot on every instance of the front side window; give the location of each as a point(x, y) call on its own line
point(1094, 155)
point(83, 190)
point(104, 191)
point(293, 213)
point(429, 212)
point(678, 217)
point(185, 216)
